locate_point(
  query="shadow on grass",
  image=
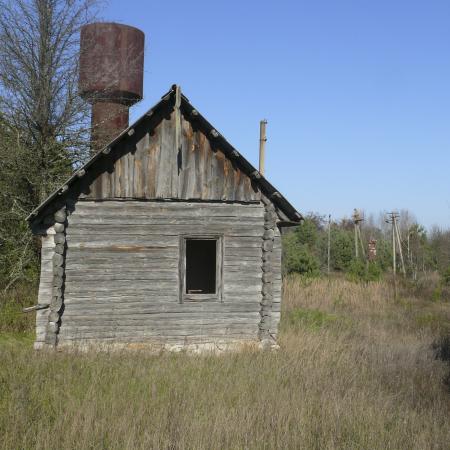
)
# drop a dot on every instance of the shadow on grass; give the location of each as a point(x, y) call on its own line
point(441, 348)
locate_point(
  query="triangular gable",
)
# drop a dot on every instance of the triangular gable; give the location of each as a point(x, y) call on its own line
point(207, 167)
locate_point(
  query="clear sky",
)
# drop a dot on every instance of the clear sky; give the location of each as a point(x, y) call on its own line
point(356, 92)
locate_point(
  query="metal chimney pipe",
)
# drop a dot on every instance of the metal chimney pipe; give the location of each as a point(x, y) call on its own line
point(262, 145)
point(111, 76)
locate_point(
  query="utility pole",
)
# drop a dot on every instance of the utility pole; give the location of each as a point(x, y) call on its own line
point(397, 232)
point(262, 145)
point(357, 219)
point(392, 218)
point(329, 242)
point(408, 247)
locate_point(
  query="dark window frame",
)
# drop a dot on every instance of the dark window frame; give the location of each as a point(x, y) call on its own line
point(217, 296)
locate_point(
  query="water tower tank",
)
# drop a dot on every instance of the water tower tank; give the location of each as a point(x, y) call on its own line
point(111, 75)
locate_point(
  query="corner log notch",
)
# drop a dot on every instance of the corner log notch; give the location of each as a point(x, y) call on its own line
point(268, 277)
point(59, 257)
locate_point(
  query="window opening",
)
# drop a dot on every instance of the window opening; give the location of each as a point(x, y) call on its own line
point(201, 266)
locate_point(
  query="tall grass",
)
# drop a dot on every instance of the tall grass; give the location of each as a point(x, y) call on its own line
point(13, 322)
point(355, 370)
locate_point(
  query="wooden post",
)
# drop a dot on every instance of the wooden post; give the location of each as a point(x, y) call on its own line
point(262, 144)
point(400, 247)
point(178, 126)
point(329, 243)
point(361, 242)
point(356, 221)
point(391, 220)
point(394, 262)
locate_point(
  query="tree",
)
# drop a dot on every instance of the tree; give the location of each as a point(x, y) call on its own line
point(342, 249)
point(39, 45)
point(297, 257)
point(307, 232)
point(44, 123)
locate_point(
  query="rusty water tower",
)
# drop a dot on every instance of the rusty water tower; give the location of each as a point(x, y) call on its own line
point(111, 76)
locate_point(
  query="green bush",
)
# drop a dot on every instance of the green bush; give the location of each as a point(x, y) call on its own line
point(342, 249)
point(446, 276)
point(360, 271)
point(298, 258)
point(307, 233)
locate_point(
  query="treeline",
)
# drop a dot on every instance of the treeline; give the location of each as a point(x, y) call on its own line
point(306, 248)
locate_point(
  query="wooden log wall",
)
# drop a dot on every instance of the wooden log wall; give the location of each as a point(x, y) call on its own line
point(122, 272)
point(149, 165)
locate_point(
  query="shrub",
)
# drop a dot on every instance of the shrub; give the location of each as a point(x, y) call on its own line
point(446, 276)
point(441, 347)
point(359, 271)
point(341, 249)
point(298, 258)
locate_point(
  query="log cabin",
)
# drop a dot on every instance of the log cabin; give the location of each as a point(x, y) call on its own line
point(166, 238)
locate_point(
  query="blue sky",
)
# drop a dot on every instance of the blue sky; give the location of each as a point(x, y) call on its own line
point(356, 93)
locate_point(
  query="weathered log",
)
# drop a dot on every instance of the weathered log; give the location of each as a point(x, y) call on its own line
point(50, 337)
point(58, 260)
point(268, 234)
point(34, 308)
point(57, 292)
point(267, 277)
point(59, 227)
point(58, 271)
point(53, 316)
point(59, 238)
point(60, 215)
point(59, 248)
point(56, 303)
point(57, 282)
point(52, 327)
point(270, 216)
point(268, 245)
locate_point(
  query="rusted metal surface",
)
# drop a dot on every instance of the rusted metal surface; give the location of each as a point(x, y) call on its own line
point(372, 250)
point(108, 120)
point(111, 76)
point(111, 62)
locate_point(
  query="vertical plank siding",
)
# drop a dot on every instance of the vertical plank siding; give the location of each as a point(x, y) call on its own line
point(277, 284)
point(45, 285)
point(122, 271)
point(151, 167)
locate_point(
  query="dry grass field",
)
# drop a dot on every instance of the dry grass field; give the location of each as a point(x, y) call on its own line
point(356, 370)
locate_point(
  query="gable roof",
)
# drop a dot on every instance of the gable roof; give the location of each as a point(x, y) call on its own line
point(288, 214)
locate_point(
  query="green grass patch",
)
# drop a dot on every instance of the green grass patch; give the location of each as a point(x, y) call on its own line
point(432, 320)
point(311, 319)
point(12, 319)
point(23, 339)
